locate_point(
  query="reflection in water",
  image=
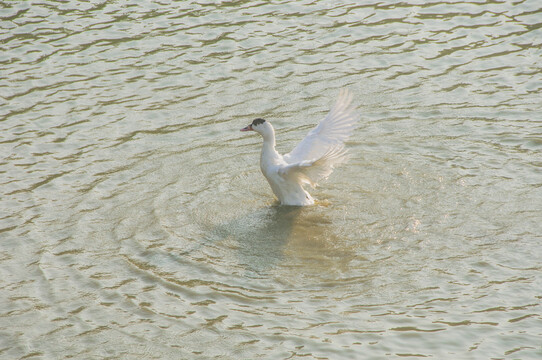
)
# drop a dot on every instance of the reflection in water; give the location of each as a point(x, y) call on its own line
point(263, 236)
point(266, 232)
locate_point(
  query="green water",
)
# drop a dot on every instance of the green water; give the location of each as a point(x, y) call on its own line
point(135, 222)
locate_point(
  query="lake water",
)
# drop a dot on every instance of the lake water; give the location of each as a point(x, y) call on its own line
point(135, 222)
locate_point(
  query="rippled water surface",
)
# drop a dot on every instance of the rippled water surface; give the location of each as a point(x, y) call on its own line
point(135, 222)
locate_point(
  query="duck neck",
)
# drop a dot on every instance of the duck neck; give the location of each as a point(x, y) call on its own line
point(268, 148)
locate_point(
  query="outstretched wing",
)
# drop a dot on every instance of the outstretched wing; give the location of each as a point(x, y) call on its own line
point(330, 132)
point(312, 171)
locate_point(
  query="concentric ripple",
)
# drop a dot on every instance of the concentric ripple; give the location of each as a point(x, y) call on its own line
point(135, 223)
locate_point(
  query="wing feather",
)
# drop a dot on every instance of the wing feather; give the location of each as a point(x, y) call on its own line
point(312, 171)
point(336, 127)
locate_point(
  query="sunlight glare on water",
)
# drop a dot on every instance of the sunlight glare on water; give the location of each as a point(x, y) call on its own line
point(135, 222)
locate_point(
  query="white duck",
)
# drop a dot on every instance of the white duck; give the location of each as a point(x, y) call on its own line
point(312, 160)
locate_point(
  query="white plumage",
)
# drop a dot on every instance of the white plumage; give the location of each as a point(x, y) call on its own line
point(313, 159)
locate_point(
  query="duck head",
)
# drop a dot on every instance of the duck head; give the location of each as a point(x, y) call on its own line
point(261, 126)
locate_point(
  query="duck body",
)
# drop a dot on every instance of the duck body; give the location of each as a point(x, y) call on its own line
point(312, 160)
point(288, 192)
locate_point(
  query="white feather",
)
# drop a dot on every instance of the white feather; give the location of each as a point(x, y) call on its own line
point(313, 159)
point(313, 171)
point(336, 128)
